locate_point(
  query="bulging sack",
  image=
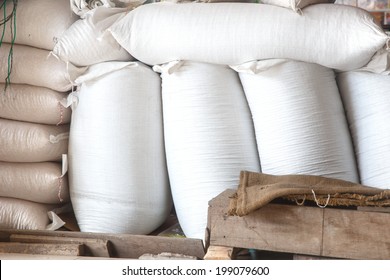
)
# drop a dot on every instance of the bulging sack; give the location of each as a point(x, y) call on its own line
point(295, 5)
point(83, 7)
point(336, 36)
point(86, 42)
point(27, 215)
point(117, 168)
point(33, 104)
point(31, 142)
point(42, 182)
point(209, 137)
point(299, 119)
point(366, 100)
point(37, 67)
point(39, 23)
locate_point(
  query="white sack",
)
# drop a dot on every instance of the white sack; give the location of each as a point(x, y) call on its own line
point(86, 42)
point(37, 67)
point(295, 5)
point(209, 137)
point(299, 119)
point(83, 7)
point(208, 1)
point(380, 62)
point(336, 36)
point(33, 104)
point(41, 182)
point(31, 142)
point(26, 215)
point(117, 168)
point(366, 98)
point(39, 23)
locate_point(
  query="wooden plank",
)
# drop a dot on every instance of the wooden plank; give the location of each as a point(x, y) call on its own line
point(307, 257)
point(356, 234)
point(42, 249)
point(15, 256)
point(93, 247)
point(281, 228)
point(374, 209)
point(128, 245)
point(219, 253)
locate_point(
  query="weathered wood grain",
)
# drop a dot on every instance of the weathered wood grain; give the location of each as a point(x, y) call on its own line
point(42, 249)
point(356, 234)
point(127, 245)
point(93, 247)
point(280, 228)
point(327, 232)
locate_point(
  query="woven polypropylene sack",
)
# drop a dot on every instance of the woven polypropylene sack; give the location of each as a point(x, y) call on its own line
point(36, 67)
point(32, 142)
point(209, 137)
point(300, 123)
point(41, 182)
point(39, 23)
point(33, 104)
point(117, 168)
point(83, 7)
point(367, 104)
point(86, 42)
point(23, 214)
point(295, 5)
point(336, 36)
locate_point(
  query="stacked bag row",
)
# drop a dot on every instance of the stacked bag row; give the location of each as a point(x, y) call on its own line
point(117, 169)
point(268, 94)
point(265, 94)
point(34, 125)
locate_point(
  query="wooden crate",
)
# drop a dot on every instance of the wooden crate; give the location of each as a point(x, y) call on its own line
point(326, 232)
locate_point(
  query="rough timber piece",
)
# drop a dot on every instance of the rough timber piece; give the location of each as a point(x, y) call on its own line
point(281, 228)
point(374, 209)
point(299, 257)
point(42, 249)
point(93, 247)
point(356, 234)
point(128, 245)
point(14, 256)
point(219, 253)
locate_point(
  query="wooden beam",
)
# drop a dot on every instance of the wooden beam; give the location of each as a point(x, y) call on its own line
point(307, 257)
point(16, 256)
point(128, 245)
point(93, 247)
point(42, 249)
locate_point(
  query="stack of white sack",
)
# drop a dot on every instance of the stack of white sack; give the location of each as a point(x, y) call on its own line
point(87, 41)
point(367, 105)
point(299, 119)
point(209, 137)
point(117, 168)
point(287, 54)
point(335, 36)
point(34, 126)
point(118, 178)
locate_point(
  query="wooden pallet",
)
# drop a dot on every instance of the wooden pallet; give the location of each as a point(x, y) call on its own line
point(31, 244)
point(304, 230)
